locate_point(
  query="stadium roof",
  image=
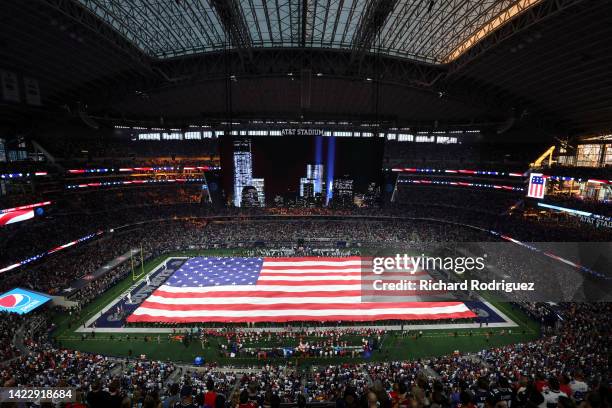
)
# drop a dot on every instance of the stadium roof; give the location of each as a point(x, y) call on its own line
point(520, 64)
point(423, 30)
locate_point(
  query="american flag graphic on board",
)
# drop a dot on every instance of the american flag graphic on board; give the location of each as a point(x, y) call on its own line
point(220, 289)
point(537, 185)
point(12, 217)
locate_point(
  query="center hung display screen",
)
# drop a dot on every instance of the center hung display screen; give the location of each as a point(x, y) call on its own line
point(301, 170)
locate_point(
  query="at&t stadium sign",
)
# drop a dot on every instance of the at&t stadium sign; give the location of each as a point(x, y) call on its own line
point(302, 132)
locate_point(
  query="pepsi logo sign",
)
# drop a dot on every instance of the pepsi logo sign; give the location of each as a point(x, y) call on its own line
point(14, 301)
point(21, 301)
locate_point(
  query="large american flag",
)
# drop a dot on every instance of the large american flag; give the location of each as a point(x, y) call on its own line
point(222, 289)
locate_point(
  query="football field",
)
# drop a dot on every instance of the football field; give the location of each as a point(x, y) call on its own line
point(101, 327)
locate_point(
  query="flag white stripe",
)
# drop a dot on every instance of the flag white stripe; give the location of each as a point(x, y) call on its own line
point(314, 263)
point(11, 218)
point(338, 278)
point(265, 271)
point(301, 312)
point(306, 271)
point(308, 278)
point(259, 288)
point(22, 217)
point(252, 300)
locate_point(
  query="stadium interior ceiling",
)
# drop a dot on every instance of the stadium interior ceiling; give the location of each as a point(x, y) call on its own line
point(535, 67)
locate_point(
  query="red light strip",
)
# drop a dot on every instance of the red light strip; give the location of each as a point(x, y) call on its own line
point(49, 252)
point(463, 184)
point(26, 207)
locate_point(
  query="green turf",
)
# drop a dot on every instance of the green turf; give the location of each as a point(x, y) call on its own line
point(395, 346)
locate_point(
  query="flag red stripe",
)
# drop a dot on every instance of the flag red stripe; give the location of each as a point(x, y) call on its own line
point(364, 273)
point(268, 260)
point(188, 295)
point(304, 306)
point(283, 319)
point(311, 283)
point(327, 282)
point(338, 273)
point(271, 267)
point(163, 293)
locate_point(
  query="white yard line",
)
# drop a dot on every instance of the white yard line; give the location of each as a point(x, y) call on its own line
point(500, 314)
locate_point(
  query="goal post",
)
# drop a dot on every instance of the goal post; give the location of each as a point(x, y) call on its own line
point(134, 276)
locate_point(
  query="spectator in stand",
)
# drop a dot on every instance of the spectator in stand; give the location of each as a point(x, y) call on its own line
point(173, 396)
point(579, 387)
point(186, 398)
point(245, 401)
point(97, 397)
point(210, 396)
point(552, 394)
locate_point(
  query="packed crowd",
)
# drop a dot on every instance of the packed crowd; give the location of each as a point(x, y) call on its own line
point(514, 263)
point(566, 369)
point(75, 215)
point(8, 323)
point(503, 212)
point(295, 236)
point(483, 156)
point(579, 203)
point(122, 150)
point(56, 272)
